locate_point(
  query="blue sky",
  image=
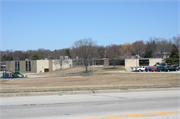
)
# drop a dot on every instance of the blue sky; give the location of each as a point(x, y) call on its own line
point(30, 25)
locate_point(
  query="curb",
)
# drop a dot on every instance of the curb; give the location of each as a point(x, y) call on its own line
point(83, 92)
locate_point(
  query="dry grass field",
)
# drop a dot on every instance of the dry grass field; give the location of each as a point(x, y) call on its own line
point(80, 70)
point(99, 81)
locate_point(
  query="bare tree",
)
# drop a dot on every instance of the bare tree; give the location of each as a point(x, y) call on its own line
point(1, 55)
point(30, 53)
point(163, 46)
point(44, 53)
point(113, 52)
point(127, 49)
point(101, 52)
point(139, 47)
point(59, 62)
point(85, 48)
point(176, 41)
point(153, 43)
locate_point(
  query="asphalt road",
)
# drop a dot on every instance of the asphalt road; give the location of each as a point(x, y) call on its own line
point(141, 105)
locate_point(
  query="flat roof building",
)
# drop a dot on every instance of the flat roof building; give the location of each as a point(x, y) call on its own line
point(39, 66)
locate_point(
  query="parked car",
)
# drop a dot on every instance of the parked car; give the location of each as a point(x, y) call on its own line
point(154, 69)
point(160, 68)
point(166, 68)
point(134, 69)
point(142, 68)
point(148, 68)
point(177, 67)
point(173, 68)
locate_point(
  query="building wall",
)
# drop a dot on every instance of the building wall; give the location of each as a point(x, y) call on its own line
point(65, 64)
point(98, 62)
point(106, 63)
point(22, 66)
point(10, 65)
point(50, 65)
point(131, 62)
point(152, 62)
point(41, 65)
point(33, 66)
point(56, 65)
point(38, 66)
point(117, 62)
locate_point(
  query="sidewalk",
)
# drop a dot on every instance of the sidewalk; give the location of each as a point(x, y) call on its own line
point(128, 69)
point(83, 92)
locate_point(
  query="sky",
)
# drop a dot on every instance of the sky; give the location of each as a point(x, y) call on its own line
point(57, 24)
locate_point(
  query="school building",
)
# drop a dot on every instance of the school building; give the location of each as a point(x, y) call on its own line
point(128, 62)
point(39, 66)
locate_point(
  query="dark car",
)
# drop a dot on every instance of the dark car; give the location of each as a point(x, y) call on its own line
point(161, 68)
point(166, 68)
point(177, 67)
point(148, 68)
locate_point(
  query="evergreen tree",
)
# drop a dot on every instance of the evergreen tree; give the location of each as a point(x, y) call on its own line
point(174, 60)
point(35, 57)
point(4, 57)
point(7, 58)
point(150, 49)
point(67, 53)
point(11, 58)
point(148, 52)
point(174, 53)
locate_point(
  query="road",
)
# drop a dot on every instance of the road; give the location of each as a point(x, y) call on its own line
point(139, 105)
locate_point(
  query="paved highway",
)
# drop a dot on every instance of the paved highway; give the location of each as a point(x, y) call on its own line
point(131, 105)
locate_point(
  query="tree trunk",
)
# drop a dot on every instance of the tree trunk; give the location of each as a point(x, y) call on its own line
point(114, 64)
point(86, 64)
point(86, 68)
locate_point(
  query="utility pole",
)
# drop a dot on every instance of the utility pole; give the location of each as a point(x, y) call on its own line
point(83, 66)
point(63, 69)
point(71, 69)
point(93, 65)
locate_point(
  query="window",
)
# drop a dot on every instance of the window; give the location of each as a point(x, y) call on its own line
point(26, 66)
point(15, 64)
point(144, 62)
point(29, 65)
point(46, 70)
point(18, 66)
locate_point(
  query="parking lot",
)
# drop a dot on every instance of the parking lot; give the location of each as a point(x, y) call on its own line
point(157, 69)
point(155, 72)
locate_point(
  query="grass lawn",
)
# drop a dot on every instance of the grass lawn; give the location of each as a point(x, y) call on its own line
point(80, 70)
point(99, 81)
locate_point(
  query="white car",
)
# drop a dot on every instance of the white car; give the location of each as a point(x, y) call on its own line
point(134, 69)
point(142, 68)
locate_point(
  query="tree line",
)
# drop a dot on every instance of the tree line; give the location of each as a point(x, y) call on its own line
point(87, 48)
